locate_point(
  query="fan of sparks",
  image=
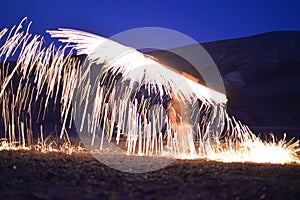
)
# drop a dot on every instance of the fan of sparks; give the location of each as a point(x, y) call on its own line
point(118, 94)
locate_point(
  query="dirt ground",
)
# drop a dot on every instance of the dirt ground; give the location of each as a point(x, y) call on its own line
point(34, 175)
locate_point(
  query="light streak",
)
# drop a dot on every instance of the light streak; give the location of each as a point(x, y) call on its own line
point(109, 105)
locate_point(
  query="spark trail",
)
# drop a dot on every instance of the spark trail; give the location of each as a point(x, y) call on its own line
point(30, 83)
point(118, 93)
point(201, 130)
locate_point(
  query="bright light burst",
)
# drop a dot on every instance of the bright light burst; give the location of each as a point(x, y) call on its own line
point(111, 104)
point(259, 151)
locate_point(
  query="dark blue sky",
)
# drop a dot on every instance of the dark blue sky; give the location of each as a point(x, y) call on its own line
point(202, 20)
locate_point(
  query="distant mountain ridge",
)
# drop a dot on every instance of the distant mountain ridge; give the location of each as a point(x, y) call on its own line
point(261, 74)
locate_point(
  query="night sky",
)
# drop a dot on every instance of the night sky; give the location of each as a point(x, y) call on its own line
point(204, 21)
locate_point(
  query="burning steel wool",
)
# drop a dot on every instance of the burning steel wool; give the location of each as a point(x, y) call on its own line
point(118, 93)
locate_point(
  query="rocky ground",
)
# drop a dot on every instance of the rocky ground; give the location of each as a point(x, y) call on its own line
point(34, 175)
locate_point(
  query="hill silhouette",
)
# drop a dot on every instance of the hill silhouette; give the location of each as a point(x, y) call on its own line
point(261, 74)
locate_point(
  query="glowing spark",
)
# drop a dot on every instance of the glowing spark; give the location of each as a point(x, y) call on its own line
point(111, 104)
point(49, 67)
point(239, 142)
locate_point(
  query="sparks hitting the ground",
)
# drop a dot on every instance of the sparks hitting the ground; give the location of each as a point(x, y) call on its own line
point(118, 93)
